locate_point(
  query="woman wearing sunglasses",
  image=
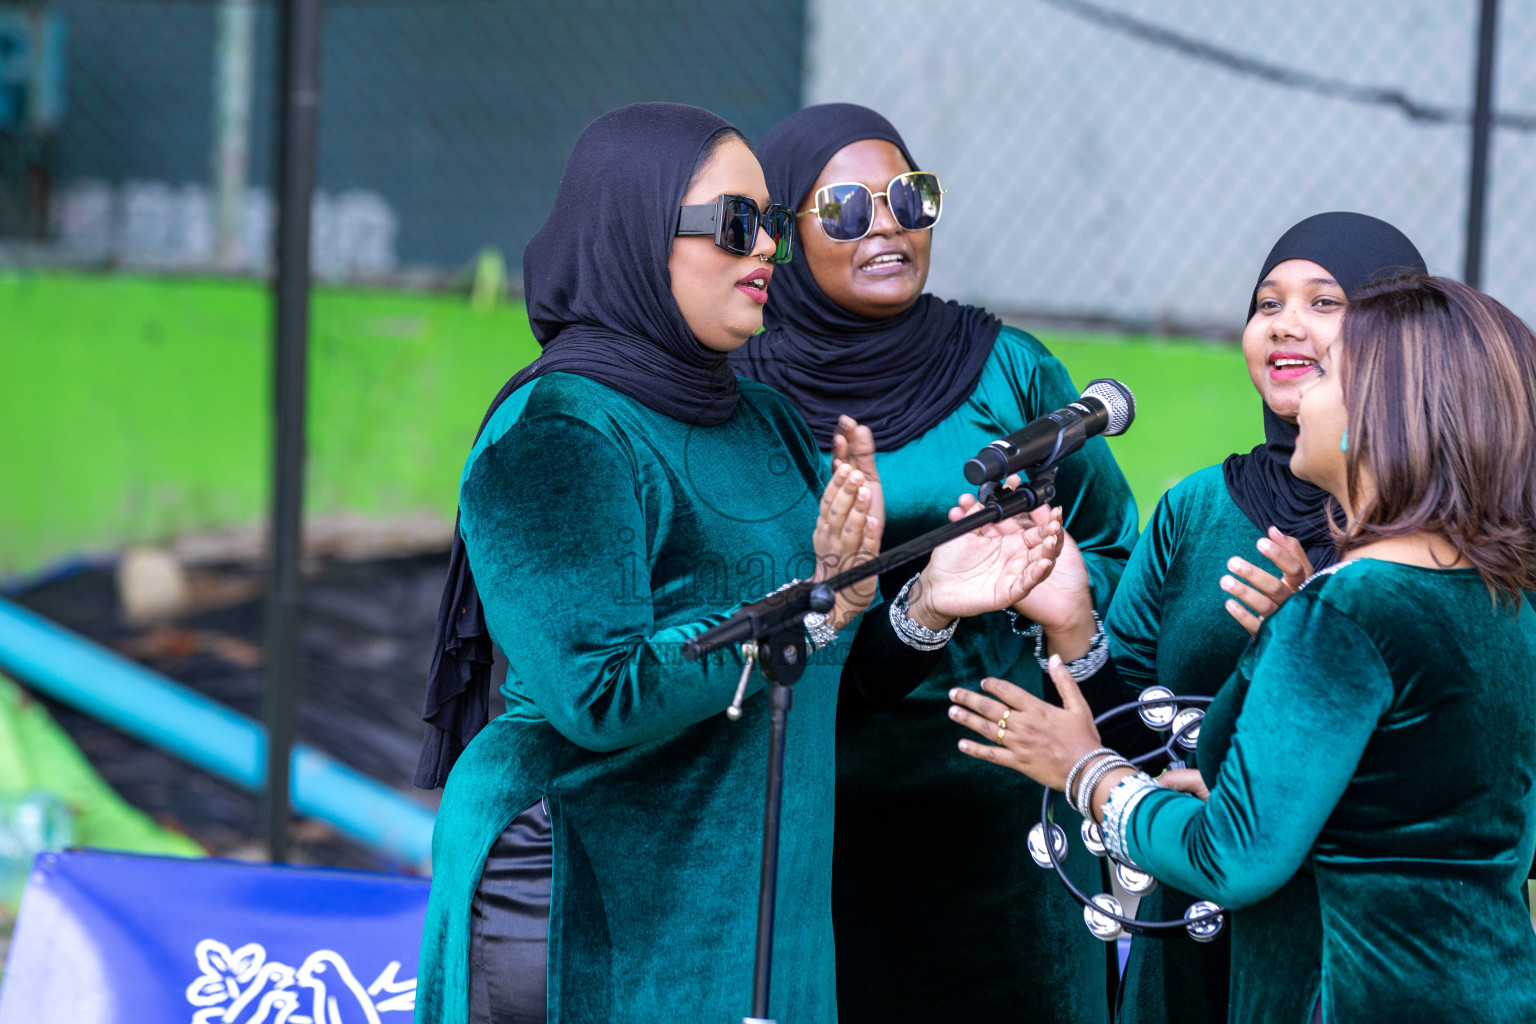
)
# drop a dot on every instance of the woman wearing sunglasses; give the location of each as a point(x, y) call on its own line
point(1365, 808)
point(936, 912)
point(596, 850)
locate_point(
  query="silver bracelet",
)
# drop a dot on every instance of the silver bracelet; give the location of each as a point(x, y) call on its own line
point(1090, 781)
point(1123, 799)
point(1082, 763)
point(913, 634)
point(1081, 798)
point(1088, 664)
point(817, 628)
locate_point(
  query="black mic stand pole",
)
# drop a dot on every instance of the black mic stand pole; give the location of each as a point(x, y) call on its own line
point(772, 633)
point(782, 655)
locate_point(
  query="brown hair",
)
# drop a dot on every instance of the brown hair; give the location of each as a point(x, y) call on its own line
point(1440, 384)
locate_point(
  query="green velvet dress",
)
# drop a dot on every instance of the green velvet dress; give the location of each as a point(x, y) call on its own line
point(1168, 626)
point(940, 912)
point(602, 535)
point(1372, 766)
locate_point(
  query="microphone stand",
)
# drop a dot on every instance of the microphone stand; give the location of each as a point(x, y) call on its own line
point(771, 633)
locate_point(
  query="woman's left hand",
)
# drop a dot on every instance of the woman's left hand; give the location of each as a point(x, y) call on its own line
point(1025, 733)
point(1255, 594)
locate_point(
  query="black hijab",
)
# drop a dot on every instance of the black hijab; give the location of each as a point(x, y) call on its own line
point(1356, 250)
point(600, 301)
point(898, 376)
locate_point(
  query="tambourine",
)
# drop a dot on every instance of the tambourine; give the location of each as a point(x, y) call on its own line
point(1159, 710)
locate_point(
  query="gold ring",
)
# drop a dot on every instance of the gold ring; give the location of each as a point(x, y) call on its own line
point(1000, 733)
point(1003, 722)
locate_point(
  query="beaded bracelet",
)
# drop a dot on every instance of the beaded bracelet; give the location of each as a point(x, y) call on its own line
point(1034, 630)
point(1128, 792)
point(913, 634)
point(1082, 668)
point(817, 628)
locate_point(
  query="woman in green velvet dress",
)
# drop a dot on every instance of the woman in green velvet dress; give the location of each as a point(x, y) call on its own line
point(937, 916)
point(624, 494)
point(1365, 806)
point(1169, 624)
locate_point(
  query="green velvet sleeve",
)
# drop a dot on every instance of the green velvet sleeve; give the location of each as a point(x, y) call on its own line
point(1135, 619)
point(1318, 687)
point(583, 643)
point(1133, 625)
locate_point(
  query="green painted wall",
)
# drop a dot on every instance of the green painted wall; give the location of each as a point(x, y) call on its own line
point(134, 408)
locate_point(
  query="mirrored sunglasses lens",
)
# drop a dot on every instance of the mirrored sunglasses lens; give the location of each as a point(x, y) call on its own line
point(739, 227)
point(844, 211)
point(916, 200)
point(781, 227)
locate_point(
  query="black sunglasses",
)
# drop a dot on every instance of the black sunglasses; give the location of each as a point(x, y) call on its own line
point(734, 222)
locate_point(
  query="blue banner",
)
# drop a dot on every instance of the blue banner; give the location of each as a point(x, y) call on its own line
point(104, 938)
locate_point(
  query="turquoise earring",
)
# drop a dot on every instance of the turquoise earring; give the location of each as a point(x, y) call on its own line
point(1344, 441)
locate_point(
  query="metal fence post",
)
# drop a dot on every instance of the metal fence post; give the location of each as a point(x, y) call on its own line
point(296, 171)
point(1482, 123)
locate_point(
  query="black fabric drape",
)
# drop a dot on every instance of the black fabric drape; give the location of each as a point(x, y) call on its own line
point(599, 298)
point(1357, 250)
point(899, 376)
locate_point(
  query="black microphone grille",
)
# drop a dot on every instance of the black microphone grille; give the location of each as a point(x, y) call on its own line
point(1117, 399)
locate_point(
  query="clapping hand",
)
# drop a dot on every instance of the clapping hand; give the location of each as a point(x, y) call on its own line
point(1061, 602)
point(986, 570)
point(854, 445)
point(848, 530)
point(1259, 594)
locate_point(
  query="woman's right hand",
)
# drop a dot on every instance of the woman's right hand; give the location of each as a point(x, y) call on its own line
point(846, 534)
point(854, 444)
point(1253, 594)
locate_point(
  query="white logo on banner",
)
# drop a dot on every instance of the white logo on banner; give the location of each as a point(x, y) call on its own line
point(241, 986)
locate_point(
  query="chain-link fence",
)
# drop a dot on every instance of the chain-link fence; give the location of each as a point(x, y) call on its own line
point(444, 124)
point(1109, 161)
point(1132, 160)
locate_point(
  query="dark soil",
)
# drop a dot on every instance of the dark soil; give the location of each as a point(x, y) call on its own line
point(365, 639)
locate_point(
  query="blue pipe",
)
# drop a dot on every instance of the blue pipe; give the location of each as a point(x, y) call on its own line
point(160, 711)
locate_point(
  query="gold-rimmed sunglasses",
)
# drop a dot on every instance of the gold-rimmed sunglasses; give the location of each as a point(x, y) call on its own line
point(846, 209)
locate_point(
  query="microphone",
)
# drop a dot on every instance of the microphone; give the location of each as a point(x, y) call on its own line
point(1106, 407)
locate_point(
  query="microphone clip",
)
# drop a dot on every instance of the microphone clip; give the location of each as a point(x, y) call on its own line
point(1039, 489)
